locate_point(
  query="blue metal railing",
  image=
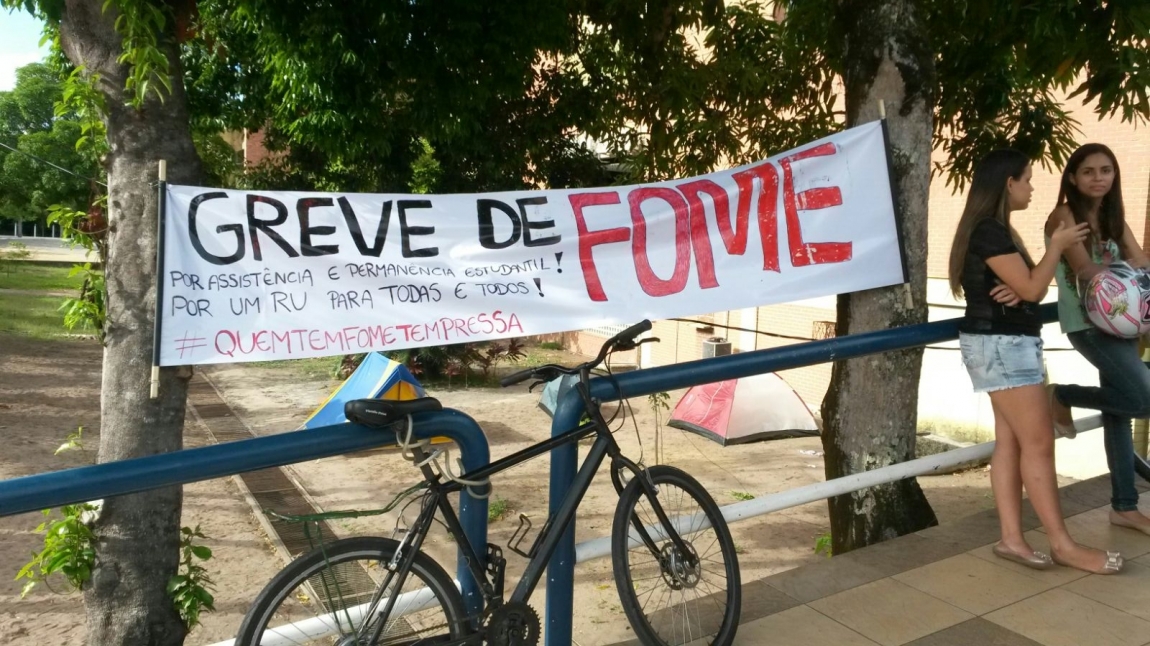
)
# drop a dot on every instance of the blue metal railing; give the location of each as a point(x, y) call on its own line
point(45, 490)
point(57, 488)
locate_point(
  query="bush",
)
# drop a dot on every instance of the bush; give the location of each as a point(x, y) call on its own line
point(459, 359)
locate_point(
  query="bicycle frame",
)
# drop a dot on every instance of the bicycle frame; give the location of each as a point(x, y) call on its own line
point(552, 531)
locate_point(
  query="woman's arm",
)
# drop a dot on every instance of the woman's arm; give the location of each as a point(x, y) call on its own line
point(1077, 257)
point(1132, 251)
point(1032, 284)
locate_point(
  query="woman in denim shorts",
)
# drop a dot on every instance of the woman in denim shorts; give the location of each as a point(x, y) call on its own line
point(1002, 350)
point(1091, 193)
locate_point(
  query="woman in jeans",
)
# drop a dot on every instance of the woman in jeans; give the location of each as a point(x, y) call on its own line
point(1002, 350)
point(1091, 193)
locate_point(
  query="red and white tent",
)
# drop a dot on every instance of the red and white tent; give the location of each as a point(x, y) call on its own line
point(760, 407)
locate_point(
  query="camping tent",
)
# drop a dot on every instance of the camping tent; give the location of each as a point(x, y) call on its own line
point(760, 407)
point(377, 377)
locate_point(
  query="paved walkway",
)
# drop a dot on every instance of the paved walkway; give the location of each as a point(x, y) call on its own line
point(944, 587)
point(49, 249)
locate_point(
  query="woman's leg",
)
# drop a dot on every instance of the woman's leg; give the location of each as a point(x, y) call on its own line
point(1124, 393)
point(1006, 483)
point(1025, 411)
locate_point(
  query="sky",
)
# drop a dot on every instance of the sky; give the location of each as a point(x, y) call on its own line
point(19, 44)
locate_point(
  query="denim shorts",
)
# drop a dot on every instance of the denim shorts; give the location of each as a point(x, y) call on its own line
point(1001, 361)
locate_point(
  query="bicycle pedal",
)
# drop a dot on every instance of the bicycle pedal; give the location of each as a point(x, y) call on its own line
point(496, 566)
point(519, 536)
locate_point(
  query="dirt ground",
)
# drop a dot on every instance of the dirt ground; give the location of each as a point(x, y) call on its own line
point(48, 389)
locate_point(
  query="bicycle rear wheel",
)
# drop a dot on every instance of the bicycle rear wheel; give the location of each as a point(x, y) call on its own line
point(323, 597)
point(668, 600)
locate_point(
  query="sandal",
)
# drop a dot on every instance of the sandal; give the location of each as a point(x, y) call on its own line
point(1113, 565)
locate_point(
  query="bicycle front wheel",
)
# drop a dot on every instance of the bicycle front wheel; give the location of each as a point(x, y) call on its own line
point(671, 596)
point(332, 595)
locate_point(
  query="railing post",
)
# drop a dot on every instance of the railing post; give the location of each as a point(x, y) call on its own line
point(561, 568)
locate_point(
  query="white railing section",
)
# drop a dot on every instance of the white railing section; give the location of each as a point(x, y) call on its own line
point(308, 630)
point(319, 627)
point(600, 547)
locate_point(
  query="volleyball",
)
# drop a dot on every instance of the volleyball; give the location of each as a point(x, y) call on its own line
point(1117, 301)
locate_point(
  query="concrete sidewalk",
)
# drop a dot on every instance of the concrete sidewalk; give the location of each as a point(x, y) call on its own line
point(944, 587)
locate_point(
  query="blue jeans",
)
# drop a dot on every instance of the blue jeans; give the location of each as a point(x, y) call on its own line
point(1124, 393)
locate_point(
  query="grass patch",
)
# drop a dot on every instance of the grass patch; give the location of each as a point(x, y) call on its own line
point(956, 430)
point(39, 277)
point(551, 345)
point(38, 317)
point(741, 495)
point(823, 544)
point(498, 509)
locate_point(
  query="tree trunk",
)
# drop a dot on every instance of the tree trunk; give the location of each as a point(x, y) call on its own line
point(870, 412)
point(137, 548)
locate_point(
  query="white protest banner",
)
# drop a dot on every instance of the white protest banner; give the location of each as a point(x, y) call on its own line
point(263, 275)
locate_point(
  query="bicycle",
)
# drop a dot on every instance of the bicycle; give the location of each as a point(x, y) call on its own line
point(410, 599)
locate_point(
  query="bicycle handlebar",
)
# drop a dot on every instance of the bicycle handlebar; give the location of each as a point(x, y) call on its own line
point(624, 340)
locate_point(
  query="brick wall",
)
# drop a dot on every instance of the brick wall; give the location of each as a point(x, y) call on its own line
point(1132, 147)
point(683, 341)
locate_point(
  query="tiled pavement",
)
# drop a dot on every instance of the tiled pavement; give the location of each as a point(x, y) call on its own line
point(944, 587)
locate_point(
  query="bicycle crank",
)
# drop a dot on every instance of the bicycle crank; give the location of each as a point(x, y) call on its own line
point(513, 624)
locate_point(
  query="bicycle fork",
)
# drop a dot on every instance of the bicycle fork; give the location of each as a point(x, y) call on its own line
point(651, 493)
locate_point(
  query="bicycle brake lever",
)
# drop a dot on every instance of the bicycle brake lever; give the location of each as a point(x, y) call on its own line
point(531, 388)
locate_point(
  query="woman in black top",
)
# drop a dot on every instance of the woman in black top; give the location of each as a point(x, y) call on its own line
point(1002, 349)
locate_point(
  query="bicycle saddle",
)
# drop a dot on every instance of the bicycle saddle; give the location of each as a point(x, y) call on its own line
point(378, 413)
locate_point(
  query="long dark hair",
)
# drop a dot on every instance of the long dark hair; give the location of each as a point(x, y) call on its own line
point(987, 198)
point(1111, 213)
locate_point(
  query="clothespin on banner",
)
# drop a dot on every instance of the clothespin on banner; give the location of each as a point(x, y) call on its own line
point(907, 296)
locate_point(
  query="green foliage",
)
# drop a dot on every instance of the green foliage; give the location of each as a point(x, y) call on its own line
point(74, 442)
point(80, 100)
point(823, 544)
point(87, 311)
point(140, 23)
point(1002, 68)
point(742, 495)
point(68, 550)
point(498, 509)
point(49, 168)
point(191, 588)
point(551, 345)
point(660, 401)
point(459, 359)
point(68, 540)
point(426, 173)
point(222, 164)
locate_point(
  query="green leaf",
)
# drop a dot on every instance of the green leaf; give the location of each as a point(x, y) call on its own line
point(202, 552)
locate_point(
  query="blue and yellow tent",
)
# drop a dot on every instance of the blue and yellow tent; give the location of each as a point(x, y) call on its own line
point(376, 378)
